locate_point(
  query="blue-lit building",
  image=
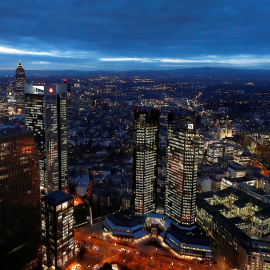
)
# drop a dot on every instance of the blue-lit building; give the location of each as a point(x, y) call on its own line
point(193, 242)
point(125, 224)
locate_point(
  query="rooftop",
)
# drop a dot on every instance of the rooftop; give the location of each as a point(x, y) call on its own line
point(264, 213)
point(11, 130)
point(57, 197)
point(236, 166)
point(126, 219)
point(236, 220)
point(195, 236)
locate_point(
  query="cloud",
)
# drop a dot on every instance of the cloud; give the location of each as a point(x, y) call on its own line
point(120, 59)
point(236, 60)
point(41, 62)
point(153, 32)
point(7, 50)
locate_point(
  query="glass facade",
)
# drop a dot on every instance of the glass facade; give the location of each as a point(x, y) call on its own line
point(20, 81)
point(57, 228)
point(20, 221)
point(46, 115)
point(181, 168)
point(145, 157)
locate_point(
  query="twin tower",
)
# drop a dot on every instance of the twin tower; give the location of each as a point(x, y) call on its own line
point(181, 164)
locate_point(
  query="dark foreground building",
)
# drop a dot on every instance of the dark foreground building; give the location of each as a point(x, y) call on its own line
point(57, 228)
point(20, 223)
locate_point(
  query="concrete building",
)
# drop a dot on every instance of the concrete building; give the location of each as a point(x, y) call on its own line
point(236, 170)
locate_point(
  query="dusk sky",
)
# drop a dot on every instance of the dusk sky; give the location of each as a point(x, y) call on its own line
point(134, 34)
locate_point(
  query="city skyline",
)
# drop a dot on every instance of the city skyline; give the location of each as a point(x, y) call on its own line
point(124, 35)
point(198, 181)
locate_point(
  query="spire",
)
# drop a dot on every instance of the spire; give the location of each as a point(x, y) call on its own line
point(20, 63)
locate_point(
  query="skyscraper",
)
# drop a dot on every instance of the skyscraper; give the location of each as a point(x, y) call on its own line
point(57, 228)
point(20, 81)
point(181, 168)
point(145, 157)
point(46, 115)
point(20, 220)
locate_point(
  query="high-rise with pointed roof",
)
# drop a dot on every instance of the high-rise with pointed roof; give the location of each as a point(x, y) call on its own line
point(20, 81)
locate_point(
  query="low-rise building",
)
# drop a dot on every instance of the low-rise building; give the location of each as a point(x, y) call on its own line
point(261, 222)
point(236, 170)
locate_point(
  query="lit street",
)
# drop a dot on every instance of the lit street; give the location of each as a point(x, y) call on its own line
point(132, 255)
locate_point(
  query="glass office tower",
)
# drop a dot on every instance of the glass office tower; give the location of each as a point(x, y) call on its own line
point(20, 81)
point(181, 168)
point(20, 220)
point(46, 116)
point(145, 157)
point(57, 228)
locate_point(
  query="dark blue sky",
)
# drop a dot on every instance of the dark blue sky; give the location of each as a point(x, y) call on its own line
point(134, 34)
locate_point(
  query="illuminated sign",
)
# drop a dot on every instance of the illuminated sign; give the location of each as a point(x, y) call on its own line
point(190, 126)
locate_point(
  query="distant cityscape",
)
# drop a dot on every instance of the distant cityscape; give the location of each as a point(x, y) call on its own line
point(135, 170)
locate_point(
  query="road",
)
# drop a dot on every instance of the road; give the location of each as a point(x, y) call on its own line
point(113, 252)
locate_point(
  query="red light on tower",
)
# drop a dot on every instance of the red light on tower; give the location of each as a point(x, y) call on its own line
point(51, 90)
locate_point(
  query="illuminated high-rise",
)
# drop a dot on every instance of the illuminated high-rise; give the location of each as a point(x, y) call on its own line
point(181, 168)
point(20, 220)
point(46, 116)
point(57, 228)
point(20, 81)
point(145, 157)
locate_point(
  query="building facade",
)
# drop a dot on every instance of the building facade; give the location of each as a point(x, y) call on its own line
point(181, 169)
point(20, 81)
point(145, 157)
point(20, 220)
point(234, 236)
point(46, 116)
point(57, 228)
